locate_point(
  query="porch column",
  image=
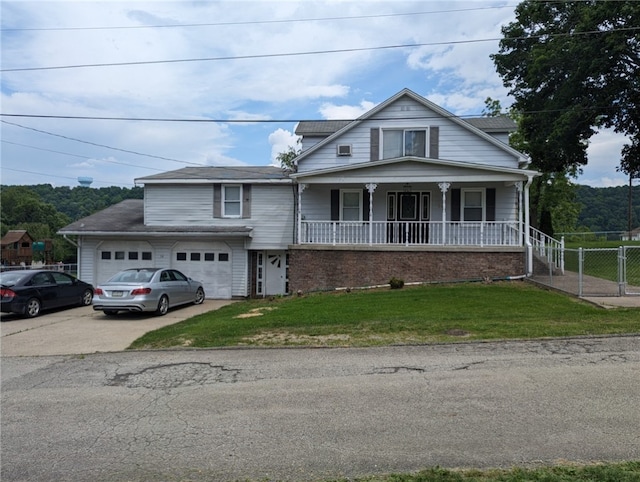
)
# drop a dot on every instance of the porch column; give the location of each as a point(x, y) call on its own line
point(519, 190)
point(444, 187)
point(527, 227)
point(301, 188)
point(371, 187)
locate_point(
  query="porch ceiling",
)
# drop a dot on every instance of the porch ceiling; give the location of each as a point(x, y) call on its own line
point(408, 169)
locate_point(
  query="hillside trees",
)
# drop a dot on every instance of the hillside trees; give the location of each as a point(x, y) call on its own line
point(572, 68)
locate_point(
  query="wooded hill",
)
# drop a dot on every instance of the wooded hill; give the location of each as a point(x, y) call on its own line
point(607, 208)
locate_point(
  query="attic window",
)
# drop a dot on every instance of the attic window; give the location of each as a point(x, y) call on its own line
point(344, 149)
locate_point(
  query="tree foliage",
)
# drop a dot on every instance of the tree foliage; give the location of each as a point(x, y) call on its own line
point(43, 210)
point(573, 67)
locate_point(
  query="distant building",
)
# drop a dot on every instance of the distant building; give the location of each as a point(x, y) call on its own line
point(17, 248)
point(85, 181)
point(633, 236)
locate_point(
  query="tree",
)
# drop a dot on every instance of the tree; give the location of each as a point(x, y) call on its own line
point(573, 67)
point(287, 158)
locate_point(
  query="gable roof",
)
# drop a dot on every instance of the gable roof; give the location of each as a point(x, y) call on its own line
point(523, 159)
point(14, 236)
point(246, 174)
point(127, 218)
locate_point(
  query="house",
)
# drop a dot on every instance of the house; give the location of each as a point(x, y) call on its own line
point(17, 248)
point(634, 235)
point(228, 227)
point(406, 190)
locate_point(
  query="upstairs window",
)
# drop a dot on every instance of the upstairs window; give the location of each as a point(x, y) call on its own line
point(232, 201)
point(404, 142)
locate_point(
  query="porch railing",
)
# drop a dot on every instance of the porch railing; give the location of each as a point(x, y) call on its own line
point(548, 248)
point(487, 233)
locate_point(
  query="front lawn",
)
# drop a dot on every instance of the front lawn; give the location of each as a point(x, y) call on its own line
point(412, 315)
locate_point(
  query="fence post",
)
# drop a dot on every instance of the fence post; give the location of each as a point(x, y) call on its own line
point(562, 255)
point(622, 272)
point(580, 271)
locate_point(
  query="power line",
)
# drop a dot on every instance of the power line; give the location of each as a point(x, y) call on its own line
point(257, 22)
point(101, 145)
point(315, 52)
point(82, 157)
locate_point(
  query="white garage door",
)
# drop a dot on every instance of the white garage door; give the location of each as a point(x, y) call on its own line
point(209, 263)
point(114, 256)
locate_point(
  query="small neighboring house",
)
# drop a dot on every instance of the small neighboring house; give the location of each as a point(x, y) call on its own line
point(634, 235)
point(17, 248)
point(407, 190)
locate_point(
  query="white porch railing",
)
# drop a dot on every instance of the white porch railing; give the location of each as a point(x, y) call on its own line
point(548, 248)
point(487, 233)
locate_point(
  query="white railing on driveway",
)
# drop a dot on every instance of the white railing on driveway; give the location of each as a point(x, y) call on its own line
point(412, 233)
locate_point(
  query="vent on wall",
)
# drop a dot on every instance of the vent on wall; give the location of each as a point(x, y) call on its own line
point(344, 149)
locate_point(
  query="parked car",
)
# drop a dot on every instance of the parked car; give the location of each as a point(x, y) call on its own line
point(147, 289)
point(28, 292)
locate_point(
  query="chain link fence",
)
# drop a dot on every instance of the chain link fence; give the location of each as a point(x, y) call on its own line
point(590, 271)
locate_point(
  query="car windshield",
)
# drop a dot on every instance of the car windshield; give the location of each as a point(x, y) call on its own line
point(132, 276)
point(9, 278)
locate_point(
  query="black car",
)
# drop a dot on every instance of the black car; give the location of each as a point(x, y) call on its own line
point(27, 292)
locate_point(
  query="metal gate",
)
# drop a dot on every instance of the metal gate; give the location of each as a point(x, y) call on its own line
point(630, 267)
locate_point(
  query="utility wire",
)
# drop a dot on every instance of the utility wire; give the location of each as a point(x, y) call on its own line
point(316, 52)
point(257, 22)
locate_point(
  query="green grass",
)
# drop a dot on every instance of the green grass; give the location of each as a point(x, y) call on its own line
point(624, 472)
point(413, 315)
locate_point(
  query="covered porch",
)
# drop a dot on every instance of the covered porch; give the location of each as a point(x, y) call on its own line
point(408, 202)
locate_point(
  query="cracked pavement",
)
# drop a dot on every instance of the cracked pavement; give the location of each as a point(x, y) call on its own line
point(312, 414)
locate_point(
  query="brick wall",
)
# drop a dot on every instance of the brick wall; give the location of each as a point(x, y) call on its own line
point(327, 269)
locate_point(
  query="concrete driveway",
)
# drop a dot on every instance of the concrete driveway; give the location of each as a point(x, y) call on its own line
point(82, 330)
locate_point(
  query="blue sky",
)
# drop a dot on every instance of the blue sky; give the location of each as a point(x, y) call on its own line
point(250, 79)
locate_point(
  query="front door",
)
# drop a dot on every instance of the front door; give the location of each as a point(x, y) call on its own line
point(275, 282)
point(407, 216)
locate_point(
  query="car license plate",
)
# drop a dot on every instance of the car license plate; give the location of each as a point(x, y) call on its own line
point(117, 294)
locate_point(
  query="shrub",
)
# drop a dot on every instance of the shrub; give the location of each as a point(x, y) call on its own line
point(396, 283)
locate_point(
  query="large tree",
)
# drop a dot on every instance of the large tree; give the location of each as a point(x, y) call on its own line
point(572, 67)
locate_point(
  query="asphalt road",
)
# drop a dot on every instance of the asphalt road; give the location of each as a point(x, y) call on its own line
point(313, 414)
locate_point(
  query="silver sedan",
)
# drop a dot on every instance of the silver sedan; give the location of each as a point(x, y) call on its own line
point(147, 289)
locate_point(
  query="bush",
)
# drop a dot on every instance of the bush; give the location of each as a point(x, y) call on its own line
point(396, 283)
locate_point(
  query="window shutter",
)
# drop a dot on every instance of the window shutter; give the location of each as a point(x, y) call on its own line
point(335, 205)
point(455, 205)
point(375, 144)
point(491, 204)
point(434, 142)
point(365, 205)
point(246, 200)
point(217, 200)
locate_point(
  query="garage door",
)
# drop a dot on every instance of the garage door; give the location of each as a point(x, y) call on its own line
point(113, 256)
point(209, 263)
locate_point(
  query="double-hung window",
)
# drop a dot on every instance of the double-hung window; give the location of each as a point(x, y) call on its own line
point(351, 205)
point(404, 142)
point(232, 201)
point(473, 205)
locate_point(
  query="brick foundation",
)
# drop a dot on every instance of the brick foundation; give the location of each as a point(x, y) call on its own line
point(321, 269)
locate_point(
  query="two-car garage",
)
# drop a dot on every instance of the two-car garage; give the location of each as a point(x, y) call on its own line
point(208, 262)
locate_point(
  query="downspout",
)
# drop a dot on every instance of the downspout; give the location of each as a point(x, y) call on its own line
point(77, 245)
point(527, 228)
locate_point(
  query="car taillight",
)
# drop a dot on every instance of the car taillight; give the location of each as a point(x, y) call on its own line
point(98, 291)
point(7, 293)
point(141, 291)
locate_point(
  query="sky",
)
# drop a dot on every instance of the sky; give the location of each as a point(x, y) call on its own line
point(230, 79)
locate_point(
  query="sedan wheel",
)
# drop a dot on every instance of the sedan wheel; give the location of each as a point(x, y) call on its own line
point(32, 308)
point(199, 296)
point(87, 297)
point(163, 306)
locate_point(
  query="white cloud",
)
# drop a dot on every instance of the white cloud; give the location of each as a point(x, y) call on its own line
point(345, 112)
point(280, 141)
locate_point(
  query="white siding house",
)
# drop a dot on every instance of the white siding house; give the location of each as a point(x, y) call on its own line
point(406, 190)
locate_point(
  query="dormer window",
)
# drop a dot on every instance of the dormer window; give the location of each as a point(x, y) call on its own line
point(404, 142)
